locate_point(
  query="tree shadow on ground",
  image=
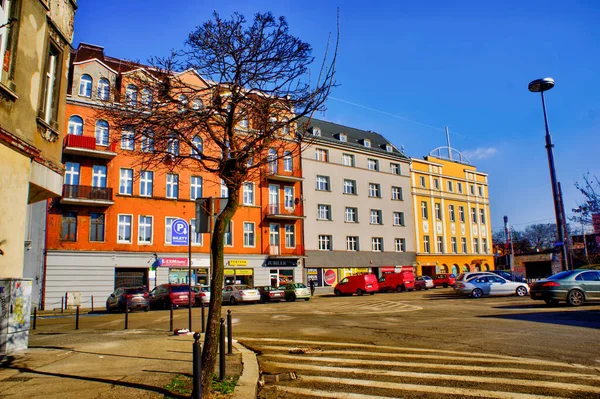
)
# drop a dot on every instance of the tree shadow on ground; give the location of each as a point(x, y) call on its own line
point(579, 318)
point(109, 354)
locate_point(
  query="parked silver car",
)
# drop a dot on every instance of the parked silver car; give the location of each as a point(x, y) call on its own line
point(233, 294)
point(490, 284)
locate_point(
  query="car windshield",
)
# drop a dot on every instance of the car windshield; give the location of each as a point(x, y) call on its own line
point(205, 289)
point(426, 278)
point(138, 290)
point(180, 288)
point(561, 275)
point(299, 285)
point(243, 287)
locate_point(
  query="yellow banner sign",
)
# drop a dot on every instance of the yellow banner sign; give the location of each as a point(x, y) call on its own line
point(228, 272)
point(238, 262)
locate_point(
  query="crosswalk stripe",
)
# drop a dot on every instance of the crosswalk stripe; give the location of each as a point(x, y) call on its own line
point(327, 394)
point(426, 388)
point(447, 377)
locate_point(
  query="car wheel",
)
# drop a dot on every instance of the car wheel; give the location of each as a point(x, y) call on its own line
point(337, 292)
point(398, 288)
point(418, 287)
point(262, 300)
point(307, 299)
point(521, 291)
point(359, 292)
point(293, 298)
point(445, 285)
point(372, 293)
point(575, 298)
point(108, 309)
point(477, 293)
point(231, 300)
point(147, 308)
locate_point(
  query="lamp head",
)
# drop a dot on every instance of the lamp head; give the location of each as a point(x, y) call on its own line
point(540, 85)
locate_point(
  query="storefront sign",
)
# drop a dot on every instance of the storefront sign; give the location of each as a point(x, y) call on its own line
point(238, 262)
point(312, 272)
point(281, 263)
point(243, 272)
point(228, 272)
point(388, 269)
point(330, 276)
point(173, 262)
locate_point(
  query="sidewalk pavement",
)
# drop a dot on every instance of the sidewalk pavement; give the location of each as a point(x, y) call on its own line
point(111, 364)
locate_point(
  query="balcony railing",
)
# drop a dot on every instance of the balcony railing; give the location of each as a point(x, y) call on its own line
point(282, 251)
point(275, 211)
point(87, 195)
point(86, 146)
point(279, 174)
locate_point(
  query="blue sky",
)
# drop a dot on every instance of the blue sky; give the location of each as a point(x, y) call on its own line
point(407, 69)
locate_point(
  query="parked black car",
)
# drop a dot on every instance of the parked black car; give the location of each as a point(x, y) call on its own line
point(270, 294)
point(133, 297)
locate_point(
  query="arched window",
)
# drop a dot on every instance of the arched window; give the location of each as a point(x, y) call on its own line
point(103, 89)
point(486, 267)
point(85, 86)
point(183, 102)
point(244, 121)
point(197, 104)
point(288, 162)
point(465, 268)
point(478, 267)
point(146, 98)
point(272, 123)
point(197, 147)
point(102, 132)
point(455, 270)
point(272, 159)
point(173, 145)
point(147, 141)
point(285, 129)
point(75, 125)
point(131, 94)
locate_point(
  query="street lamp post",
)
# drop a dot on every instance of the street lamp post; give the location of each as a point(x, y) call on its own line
point(540, 86)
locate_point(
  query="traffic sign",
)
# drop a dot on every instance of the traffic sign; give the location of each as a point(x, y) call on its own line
point(179, 232)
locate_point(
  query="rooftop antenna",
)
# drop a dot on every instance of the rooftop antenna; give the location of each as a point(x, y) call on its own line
point(449, 148)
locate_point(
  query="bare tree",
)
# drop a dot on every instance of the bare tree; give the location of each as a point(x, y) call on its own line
point(590, 188)
point(228, 104)
point(540, 236)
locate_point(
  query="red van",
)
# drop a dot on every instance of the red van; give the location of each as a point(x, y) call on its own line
point(403, 281)
point(359, 284)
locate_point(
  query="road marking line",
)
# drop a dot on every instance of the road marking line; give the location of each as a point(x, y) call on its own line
point(427, 388)
point(427, 365)
point(447, 377)
point(326, 394)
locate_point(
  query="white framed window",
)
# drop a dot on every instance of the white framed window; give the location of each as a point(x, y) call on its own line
point(99, 176)
point(348, 160)
point(146, 183)
point(197, 105)
point(168, 226)
point(272, 160)
point(172, 185)
point(290, 236)
point(440, 245)
point(438, 211)
point(288, 197)
point(450, 186)
point(367, 143)
point(124, 229)
point(436, 183)
point(248, 193)
point(398, 218)
point(325, 242)
point(395, 168)
point(274, 198)
point(50, 86)
point(127, 137)
point(463, 244)
point(126, 182)
point(145, 230)
point(131, 95)
point(424, 212)
point(72, 173)
point(75, 125)
point(274, 234)
point(400, 244)
point(316, 131)
point(224, 189)
point(473, 215)
point(453, 245)
point(374, 190)
point(349, 186)
point(249, 235)
point(323, 212)
point(475, 245)
point(173, 145)
point(288, 162)
point(426, 246)
point(482, 216)
point(461, 214)
point(397, 193)
point(196, 150)
point(372, 164)
point(377, 244)
point(376, 216)
point(195, 187)
point(285, 126)
point(389, 148)
point(103, 89)
point(351, 215)
point(4, 18)
point(322, 183)
point(147, 98)
point(351, 243)
point(196, 238)
point(102, 132)
point(244, 123)
point(343, 137)
point(484, 247)
point(147, 141)
point(472, 189)
point(422, 181)
point(459, 187)
point(451, 213)
point(321, 155)
point(85, 86)
point(228, 237)
point(183, 103)
point(480, 189)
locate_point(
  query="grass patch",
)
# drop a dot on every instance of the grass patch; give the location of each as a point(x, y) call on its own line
point(226, 386)
point(182, 385)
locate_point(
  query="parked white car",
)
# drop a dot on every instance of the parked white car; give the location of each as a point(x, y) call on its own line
point(233, 294)
point(488, 284)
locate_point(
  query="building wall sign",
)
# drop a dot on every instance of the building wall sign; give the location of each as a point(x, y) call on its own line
point(238, 262)
point(281, 262)
point(173, 262)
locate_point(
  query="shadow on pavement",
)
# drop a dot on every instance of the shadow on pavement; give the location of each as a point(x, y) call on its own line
point(579, 318)
point(108, 354)
point(443, 295)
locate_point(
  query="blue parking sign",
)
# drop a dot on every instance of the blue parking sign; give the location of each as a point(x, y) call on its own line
point(179, 232)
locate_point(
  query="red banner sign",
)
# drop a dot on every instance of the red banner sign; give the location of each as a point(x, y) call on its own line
point(388, 269)
point(173, 262)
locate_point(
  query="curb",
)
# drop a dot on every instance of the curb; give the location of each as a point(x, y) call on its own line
point(247, 383)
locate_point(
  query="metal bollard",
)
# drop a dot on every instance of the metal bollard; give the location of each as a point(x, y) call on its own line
point(126, 315)
point(66, 301)
point(197, 368)
point(92, 303)
point(62, 304)
point(77, 318)
point(229, 334)
point(203, 320)
point(222, 351)
point(171, 318)
point(34, 317)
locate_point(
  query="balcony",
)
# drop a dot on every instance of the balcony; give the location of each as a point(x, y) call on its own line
point(86, 146)
point(282, 213)
point(279, 251)
point(86, 195)
point(277, 174)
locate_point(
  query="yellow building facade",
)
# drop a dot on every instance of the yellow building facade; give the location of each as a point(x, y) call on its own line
point(451, 206)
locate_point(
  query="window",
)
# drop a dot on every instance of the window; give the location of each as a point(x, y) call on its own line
point(484, 247)
point(195, 187)
point(248, 193)
point(244, 121)
point(351, 215)
point(69, 226)
point(424, 213)
point(85, 86)
point(463, 244)
point(397, 193)
point(395, 168)
point(228, 237)
point(197, 105)
point(351, 243)
point(172, 185)
point(288, 197)
point(51, 85)
point(147, 98)
point(453, 244)
point(349, 186)
point(127, 138)
point(323, 212)
point(288, 161)
point(96, 227)
point(322, 183)
point(436, 183)
point(103, 89)
point(459, 187)
point(131, 94)
point(367, 143)
point(389, 148)
point(472, 189)
point(482, 216)
point(102, 132)
point(75, 125)
point(4, 29)
point(372, 164)
point(475, 245)
point(376, 216)
point(422, 181)
point(450, 186)
point(426, 247)
point(400, 245)
point(274, 198)
point(124, 229)
point(316, 131)
point(438, 212)
point(473, 215)
point(249, 234)
point(146, 183)
point(99, 176)
point(72, 173)
point(183, 103)
point(480, 189)
point(325, 243)
point(440, 245)
point(147, 141)
point(196, 237)
point(321, 155)
point(343, 138)
point(168, 226)
point(272, 160)
point(374, 190)
point(377, 244)
point(173, 145)
point(451, 213)
point(274, 234)
point(196, 150)
point(461, 213)
point(224, 189)
point(348, 159)
point(398, 218)
point(126, 182)
point(290, 236)
point(145, 230)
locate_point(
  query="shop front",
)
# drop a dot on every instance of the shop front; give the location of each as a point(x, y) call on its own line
point(178, 270)
point(283, 271)
point(325, 277)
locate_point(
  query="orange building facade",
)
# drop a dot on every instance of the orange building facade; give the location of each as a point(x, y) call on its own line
point(112, 226)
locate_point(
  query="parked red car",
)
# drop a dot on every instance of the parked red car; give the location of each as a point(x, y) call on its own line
point(403, 281)
point(165, 295)
point(359, 284)
point(444, 280)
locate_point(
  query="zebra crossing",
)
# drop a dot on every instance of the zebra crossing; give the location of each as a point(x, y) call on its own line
point(351, 370)
point(369, 307)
